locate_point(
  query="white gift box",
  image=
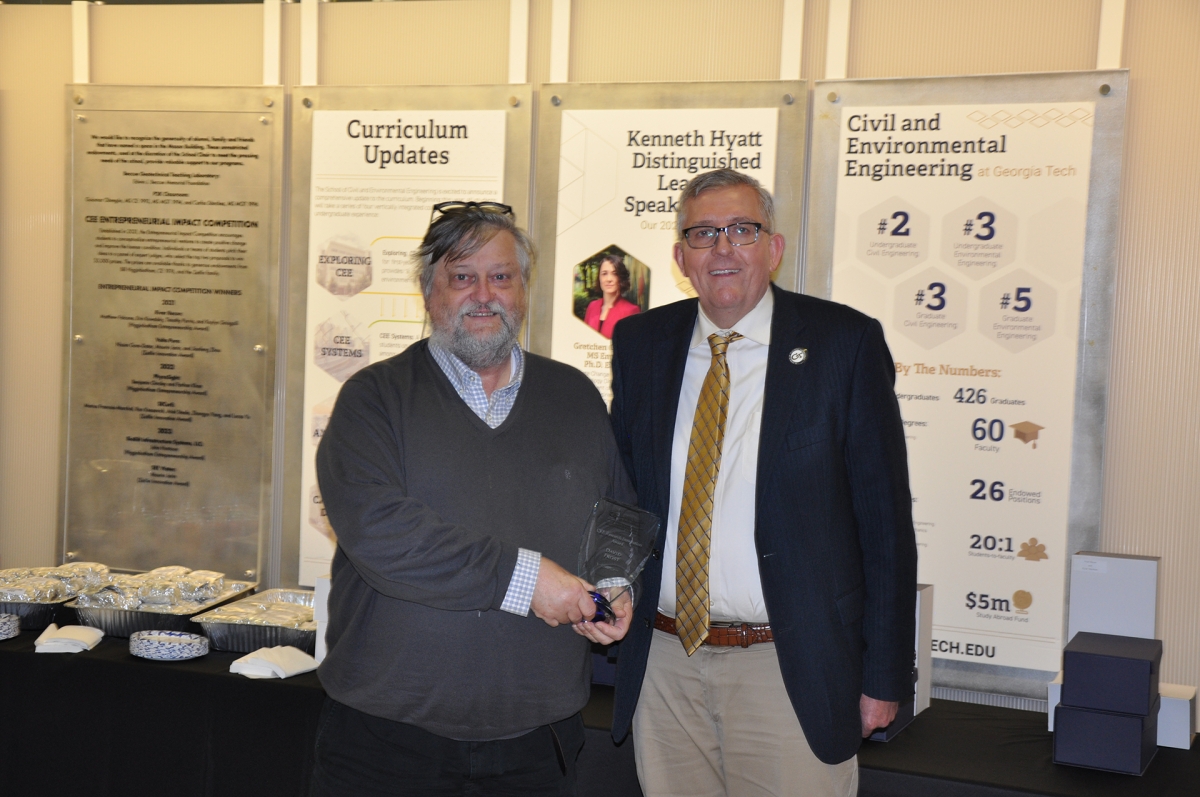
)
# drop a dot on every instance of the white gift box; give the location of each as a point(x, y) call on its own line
point(1113, 594)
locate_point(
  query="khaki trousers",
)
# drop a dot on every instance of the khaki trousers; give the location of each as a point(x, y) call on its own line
point(720, 724)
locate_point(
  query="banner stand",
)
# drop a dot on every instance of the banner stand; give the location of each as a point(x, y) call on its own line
point(976, 217)
point(612, 161)
point(369, 164)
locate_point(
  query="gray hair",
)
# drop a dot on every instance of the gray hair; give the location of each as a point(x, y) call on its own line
point(724, 178)
point(462, 232)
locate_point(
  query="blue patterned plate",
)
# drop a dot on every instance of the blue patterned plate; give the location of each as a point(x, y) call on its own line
point(10, 626)
point(167, 645)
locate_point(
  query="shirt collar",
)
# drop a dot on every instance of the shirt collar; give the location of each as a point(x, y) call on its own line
point(461, 374)
point(755, 325)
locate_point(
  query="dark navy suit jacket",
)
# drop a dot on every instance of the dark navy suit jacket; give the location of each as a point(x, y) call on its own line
point(833, 513)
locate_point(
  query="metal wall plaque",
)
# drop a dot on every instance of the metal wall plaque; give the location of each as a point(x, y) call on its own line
point(172, 272)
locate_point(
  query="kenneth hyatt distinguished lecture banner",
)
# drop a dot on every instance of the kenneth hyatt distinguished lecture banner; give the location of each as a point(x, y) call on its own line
point(961, 227)
point(376, 176)
point(620, 176)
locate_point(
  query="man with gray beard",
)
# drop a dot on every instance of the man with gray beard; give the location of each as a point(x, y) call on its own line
point(457, 475)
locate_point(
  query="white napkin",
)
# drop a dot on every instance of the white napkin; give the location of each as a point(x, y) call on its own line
point(68, 639)
point(282, 661)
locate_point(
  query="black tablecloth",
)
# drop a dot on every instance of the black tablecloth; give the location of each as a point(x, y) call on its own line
point(103, 723)
point(964, 749)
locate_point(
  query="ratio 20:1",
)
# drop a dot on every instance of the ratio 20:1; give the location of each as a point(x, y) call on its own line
point(990, 543)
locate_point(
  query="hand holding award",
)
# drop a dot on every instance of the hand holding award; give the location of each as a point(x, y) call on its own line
point(616, 545)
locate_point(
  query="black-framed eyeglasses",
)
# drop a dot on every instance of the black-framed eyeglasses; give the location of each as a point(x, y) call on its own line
point(743, 233)
point(442, 208)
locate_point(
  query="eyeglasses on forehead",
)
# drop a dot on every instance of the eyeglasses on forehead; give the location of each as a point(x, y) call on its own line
point(442, 208)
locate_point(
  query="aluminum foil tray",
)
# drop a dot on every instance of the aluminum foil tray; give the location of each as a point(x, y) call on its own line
point(34, 616)
point(126, 622)
point(247, 637)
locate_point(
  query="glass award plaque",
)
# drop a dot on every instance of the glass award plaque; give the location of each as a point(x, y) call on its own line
point(616, 544)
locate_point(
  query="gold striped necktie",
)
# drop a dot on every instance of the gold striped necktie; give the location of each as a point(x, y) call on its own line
point(696, 508)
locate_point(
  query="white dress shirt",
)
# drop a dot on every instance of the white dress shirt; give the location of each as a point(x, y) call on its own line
point(734, 587)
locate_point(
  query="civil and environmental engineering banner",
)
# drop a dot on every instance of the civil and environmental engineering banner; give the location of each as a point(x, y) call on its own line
point(961, 228)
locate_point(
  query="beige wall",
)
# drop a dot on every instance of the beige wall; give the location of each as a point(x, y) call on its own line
point(218, 45)
point(909, 38)
point(614, 41)
point(1152, 468)
point(1153, 440)
point(35, 62)
point(406, 43)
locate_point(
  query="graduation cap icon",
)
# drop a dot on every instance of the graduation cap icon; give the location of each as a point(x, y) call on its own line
point(1027, 432)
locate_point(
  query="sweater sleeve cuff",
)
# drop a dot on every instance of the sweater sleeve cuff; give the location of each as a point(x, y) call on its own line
point(524, 578)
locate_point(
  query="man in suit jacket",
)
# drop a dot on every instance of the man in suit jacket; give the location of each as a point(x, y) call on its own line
point(811, 560)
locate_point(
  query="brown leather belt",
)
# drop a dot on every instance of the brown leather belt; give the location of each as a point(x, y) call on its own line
point(741, 635)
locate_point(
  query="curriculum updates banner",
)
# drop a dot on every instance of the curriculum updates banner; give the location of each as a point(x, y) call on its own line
point(620, 176)
point(376, 176)
point(961, 227)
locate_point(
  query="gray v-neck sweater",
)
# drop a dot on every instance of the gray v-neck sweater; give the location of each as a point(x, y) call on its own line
point(430, 506)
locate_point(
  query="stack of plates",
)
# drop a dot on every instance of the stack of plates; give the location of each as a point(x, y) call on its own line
point(167, 645)
point(10, 626)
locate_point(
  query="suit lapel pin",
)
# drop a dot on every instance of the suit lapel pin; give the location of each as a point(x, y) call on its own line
point(798, 356)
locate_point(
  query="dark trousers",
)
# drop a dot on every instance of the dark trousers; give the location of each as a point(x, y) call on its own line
point(359, 754)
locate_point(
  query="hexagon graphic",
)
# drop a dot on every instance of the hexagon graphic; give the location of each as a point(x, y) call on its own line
point(320, 419)
point(1017, 311)
point(344, 267)
point(340, 348)
point(863, 290)
point(682, 283)
point(587, 173)
point(611, 283)
point(930, 308)
point(893, 237)
point(1054, 245)
point(397, 269)
point(845, 238)
point(979, 238)
point(316, 514)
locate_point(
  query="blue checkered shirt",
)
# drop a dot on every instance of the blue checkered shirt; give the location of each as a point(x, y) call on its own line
point(493, 412)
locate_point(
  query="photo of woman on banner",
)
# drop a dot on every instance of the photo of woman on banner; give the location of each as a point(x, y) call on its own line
point(607, 290)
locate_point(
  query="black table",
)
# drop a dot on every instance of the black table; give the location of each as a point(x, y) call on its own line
point(105, 723)
point(119, 725)
point(967, 750)
point(963, 750)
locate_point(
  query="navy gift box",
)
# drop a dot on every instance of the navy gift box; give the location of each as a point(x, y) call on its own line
point(1111, 673)
point(904, 716)
point(1105, 740)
